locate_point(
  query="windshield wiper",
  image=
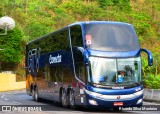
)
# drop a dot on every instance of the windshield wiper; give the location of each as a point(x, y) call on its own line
point(138, 83)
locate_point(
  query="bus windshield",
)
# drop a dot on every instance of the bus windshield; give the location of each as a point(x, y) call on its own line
point(111, 37)
point(111, 72)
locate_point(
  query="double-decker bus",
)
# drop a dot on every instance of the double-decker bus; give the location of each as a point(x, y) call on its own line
point(95, 63)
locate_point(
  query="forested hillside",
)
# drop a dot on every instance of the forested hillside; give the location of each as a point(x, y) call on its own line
point(35, 18)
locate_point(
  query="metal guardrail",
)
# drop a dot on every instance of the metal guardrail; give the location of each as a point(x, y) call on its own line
point(152, 95)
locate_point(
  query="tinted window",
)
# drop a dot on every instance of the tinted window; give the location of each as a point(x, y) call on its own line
point(111, 37)
point(66, 72)
point(60, 73)
point(60, 40)
point(77, 44)
point(53, 73)
point(52, 42)
point(80, 71)
point(76, 36)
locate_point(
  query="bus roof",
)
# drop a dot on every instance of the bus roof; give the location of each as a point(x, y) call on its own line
point(82, 23)
point(98, 22)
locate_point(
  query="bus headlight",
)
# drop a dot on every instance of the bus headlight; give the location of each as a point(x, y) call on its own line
point(139, 101)
point(92, 102)
point(94, 94)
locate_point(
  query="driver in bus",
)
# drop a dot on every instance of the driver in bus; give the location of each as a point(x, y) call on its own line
point(121, 73)
point(121, 76)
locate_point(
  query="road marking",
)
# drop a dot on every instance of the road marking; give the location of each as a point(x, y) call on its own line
point(2, 97)
point(16, 102)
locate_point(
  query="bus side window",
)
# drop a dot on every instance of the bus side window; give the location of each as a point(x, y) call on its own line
point(60, 40)
point(80, 71)
point(77, 42)
point(76, 36)
point(66, 76)
point(79, 64)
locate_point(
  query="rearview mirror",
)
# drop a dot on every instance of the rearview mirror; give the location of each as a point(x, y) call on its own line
point(150, 58)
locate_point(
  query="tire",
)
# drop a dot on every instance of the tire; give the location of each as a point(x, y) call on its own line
point(35, 95)
point(71, 100)
point(32, 93)
point(64, 98)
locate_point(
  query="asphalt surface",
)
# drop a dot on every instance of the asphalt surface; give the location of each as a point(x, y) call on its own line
point(19, 102)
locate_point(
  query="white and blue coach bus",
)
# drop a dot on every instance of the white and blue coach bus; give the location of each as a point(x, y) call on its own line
point(95, 63)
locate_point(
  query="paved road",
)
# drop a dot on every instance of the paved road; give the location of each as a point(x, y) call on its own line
point(20, 98)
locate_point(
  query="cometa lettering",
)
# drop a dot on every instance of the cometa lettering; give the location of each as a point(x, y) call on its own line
point(56, 59)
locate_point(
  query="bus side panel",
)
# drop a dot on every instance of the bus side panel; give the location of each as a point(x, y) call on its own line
point(28, 76)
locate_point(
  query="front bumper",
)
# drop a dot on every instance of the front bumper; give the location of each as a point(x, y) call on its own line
point(110, 101)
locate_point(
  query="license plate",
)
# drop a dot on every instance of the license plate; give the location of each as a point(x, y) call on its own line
point(118, 104)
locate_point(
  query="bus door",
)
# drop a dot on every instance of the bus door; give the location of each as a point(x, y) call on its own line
point(80, 83)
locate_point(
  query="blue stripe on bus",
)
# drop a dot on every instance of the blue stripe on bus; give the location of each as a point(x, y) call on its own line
point(114, 54)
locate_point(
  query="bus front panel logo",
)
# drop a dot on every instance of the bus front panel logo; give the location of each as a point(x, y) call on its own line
point(56, 59)
point(118, 97)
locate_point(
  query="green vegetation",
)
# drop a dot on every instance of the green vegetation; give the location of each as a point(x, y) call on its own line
point(152, 82)
point(11, 43)
point(38, 17)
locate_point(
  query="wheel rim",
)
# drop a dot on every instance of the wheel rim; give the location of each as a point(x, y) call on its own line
point(33, 94)
point(71, 98)
point(36, 96)
point(64, 99)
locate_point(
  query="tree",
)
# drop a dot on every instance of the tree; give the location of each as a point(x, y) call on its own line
point(104, 3)
point(12, 46)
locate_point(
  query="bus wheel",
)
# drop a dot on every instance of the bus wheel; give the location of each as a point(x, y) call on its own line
point(32, 93)
point(35, 95)
point(71, 100)
point(64, 99)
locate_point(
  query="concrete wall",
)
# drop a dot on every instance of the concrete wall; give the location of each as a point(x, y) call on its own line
point(152, 95)
point(8, 82)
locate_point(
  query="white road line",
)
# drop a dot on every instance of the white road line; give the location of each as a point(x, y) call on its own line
point(2, 97)
point(16, 102)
